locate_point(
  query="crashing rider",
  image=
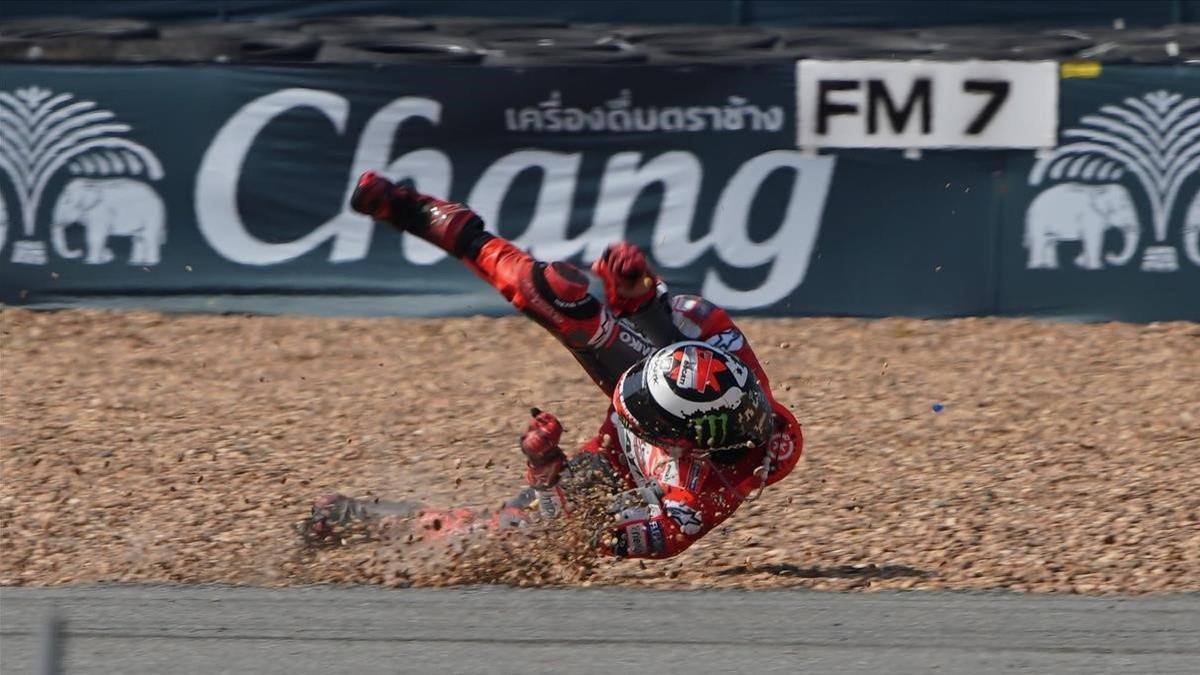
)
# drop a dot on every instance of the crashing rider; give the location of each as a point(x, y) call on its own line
point(692, 429)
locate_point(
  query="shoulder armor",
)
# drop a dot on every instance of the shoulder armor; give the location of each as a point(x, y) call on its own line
point(696, 317)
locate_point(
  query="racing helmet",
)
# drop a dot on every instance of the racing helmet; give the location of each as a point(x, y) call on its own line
point(694, 397)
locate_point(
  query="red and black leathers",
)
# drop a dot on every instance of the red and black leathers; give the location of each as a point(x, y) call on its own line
point(679, 498)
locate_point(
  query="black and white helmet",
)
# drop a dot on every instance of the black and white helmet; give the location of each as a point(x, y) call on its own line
point(694, 396)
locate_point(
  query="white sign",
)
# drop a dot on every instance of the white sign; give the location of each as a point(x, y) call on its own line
point(927, 104)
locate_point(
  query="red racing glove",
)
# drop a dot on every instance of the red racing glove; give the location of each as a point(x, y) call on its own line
point(544, 460)
point(628, 282)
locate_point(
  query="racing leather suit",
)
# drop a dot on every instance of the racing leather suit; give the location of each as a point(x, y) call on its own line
point(680, 499)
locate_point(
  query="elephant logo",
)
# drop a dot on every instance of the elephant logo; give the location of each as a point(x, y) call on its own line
point(1078, 212)
point(42, 133)
point(1155, 140)
point(110, 207)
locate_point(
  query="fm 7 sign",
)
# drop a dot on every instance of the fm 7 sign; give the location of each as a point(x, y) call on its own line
point(927, 104)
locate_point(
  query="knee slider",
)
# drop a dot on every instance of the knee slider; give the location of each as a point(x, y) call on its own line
point(560, 300)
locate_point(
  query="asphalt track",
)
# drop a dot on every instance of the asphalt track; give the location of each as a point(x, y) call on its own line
point(203, 629)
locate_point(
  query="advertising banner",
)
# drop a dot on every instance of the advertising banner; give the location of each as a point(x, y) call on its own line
point(225, 188)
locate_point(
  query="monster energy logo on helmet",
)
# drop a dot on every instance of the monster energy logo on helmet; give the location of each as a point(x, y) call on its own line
point(711, 429)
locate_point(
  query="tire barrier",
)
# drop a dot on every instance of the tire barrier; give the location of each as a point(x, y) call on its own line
point(277, 46)
point(856, 40)
point(15, 49)
point(562, 46)
point(529, 41)
point(530, 55)
point(402, 49)
point(367, 23)
point(61, 27)
point(547, 37)
point(466, 25)
point(237, 29)
point(713, 42)
point(196, 49)
point(731, 57)
point(644, 33)
point(69, 49)
point(1117, 53)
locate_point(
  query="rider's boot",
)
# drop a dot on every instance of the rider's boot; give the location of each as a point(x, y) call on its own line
point(450, 226)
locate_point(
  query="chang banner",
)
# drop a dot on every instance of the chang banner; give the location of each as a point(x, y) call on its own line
point(163, 181)
point(225, 188)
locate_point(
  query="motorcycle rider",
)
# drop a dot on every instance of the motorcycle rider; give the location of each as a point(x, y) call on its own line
point(692, 430)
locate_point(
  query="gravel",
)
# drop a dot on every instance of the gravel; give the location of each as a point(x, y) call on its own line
point(972, 453)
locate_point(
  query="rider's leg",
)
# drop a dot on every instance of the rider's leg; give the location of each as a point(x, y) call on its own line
point(554, 294)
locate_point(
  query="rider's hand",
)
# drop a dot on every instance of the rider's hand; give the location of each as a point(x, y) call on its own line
point(636, 504)
point(544, 459)
point(628, 282)
point(395, 203)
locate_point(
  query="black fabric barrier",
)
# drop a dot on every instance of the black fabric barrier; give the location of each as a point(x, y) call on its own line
point(224, 188)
